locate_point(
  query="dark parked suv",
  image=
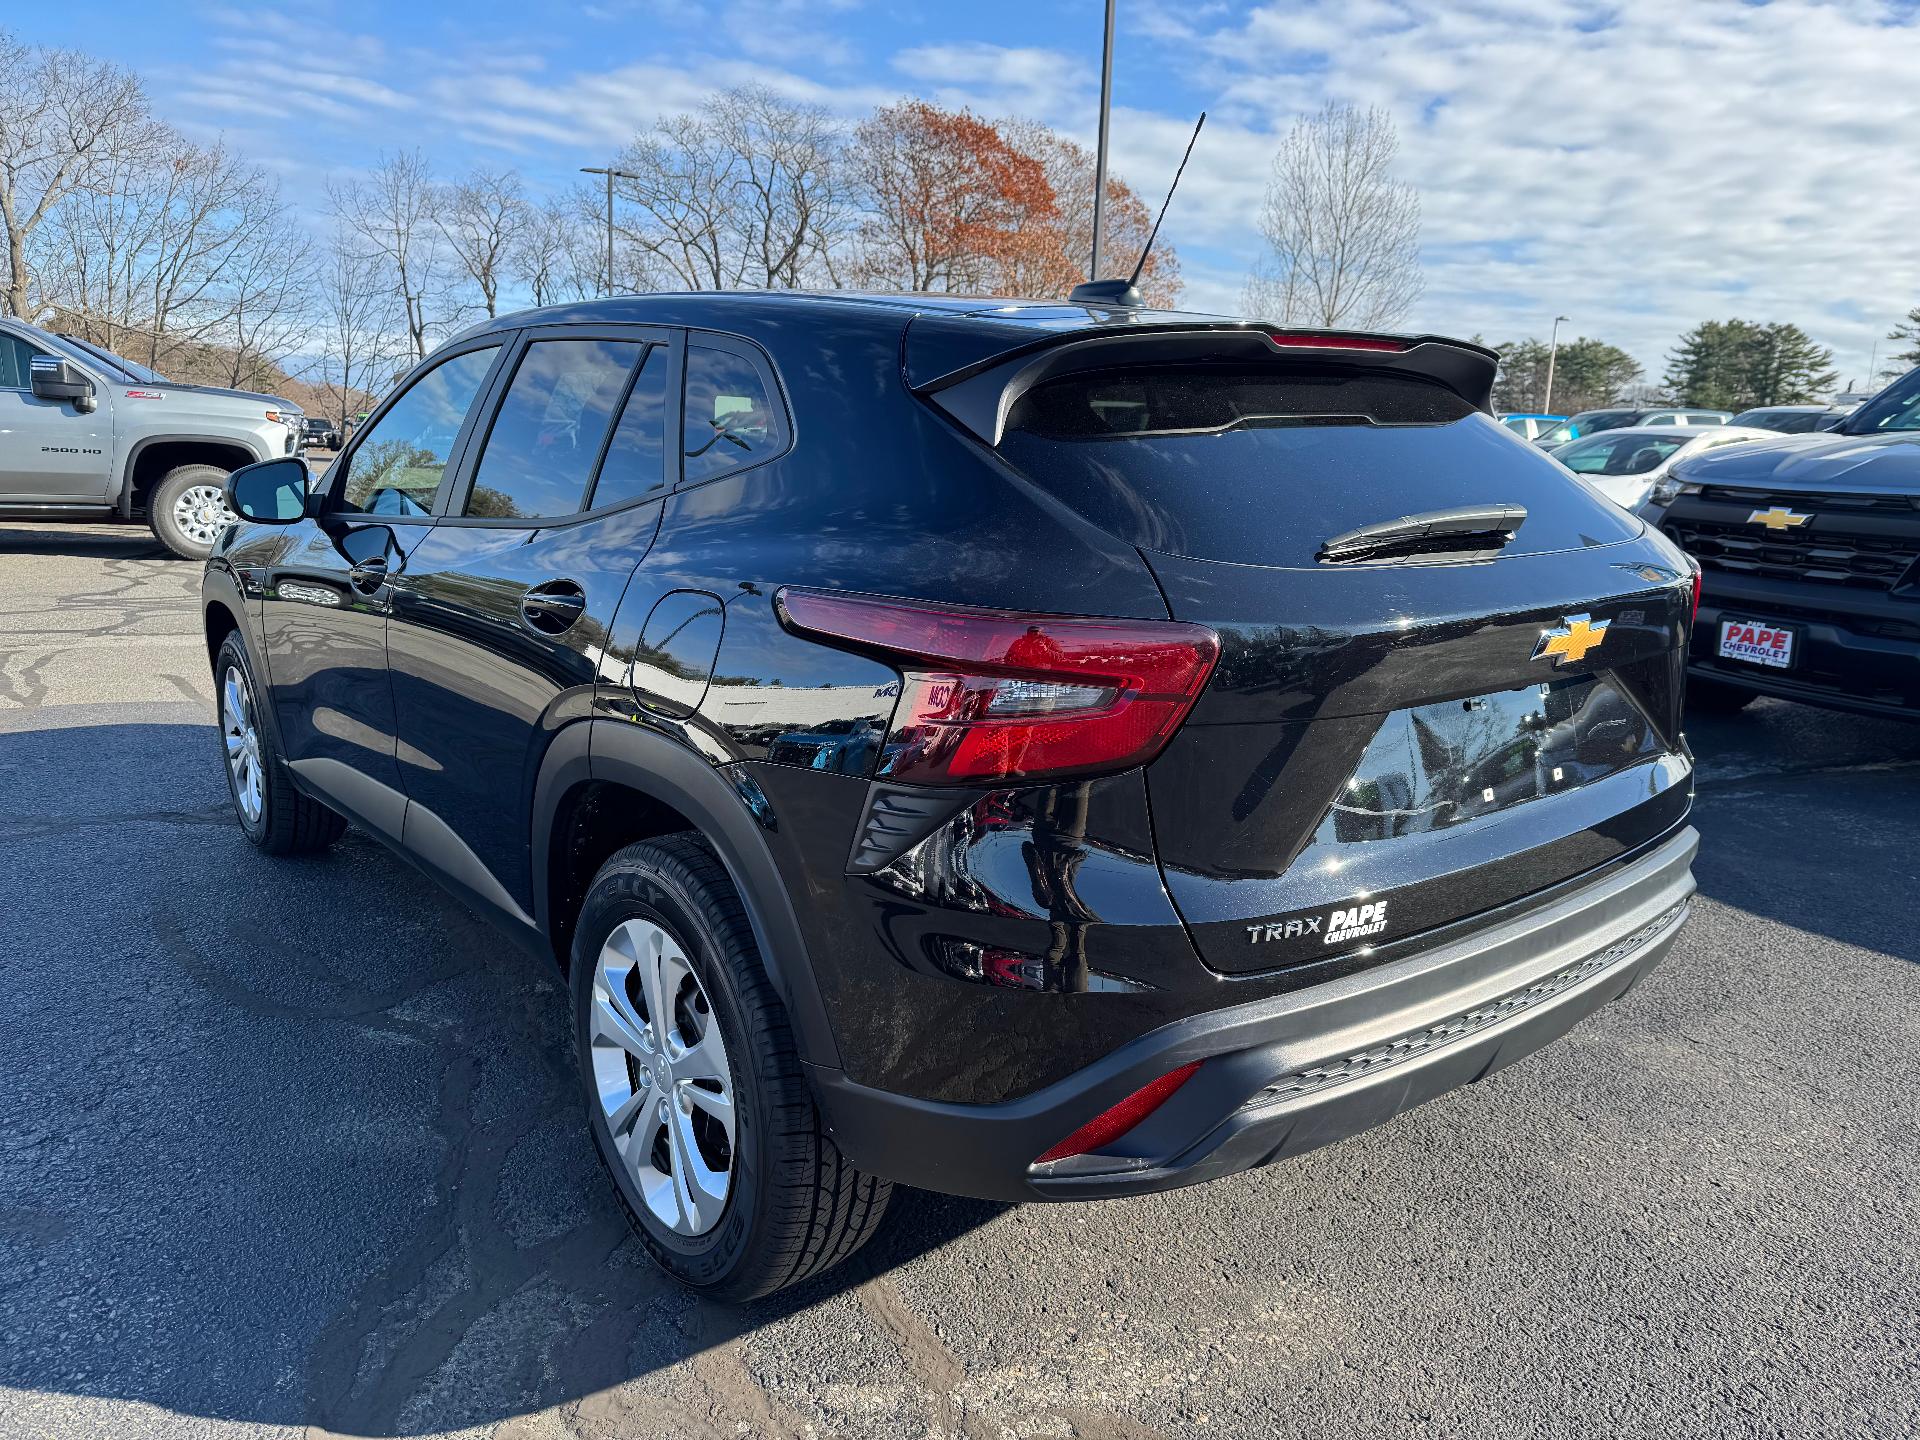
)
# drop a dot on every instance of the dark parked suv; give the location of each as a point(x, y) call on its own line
point(1024, 750)
point(1810, 547)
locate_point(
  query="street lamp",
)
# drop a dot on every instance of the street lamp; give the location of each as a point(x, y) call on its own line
point(1100, 151)
point(1553, 350)
point(611, 175)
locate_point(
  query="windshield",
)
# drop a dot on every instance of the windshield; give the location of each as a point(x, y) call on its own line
point(1895, 408)
point(1618, 453)
point(128, 369)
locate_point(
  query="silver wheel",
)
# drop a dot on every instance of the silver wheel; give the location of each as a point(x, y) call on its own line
point(243, 744)
point(201, 513)
point(661, 1074)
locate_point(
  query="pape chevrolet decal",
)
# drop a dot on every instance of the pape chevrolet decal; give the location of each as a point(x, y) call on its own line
point(1351, 922)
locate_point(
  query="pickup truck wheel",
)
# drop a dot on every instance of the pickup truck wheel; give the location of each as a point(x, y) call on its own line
point(188, 509)
point(272, 814)
point(693, 1085)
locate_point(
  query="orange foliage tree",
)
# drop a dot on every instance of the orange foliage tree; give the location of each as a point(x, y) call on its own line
point(958, 203)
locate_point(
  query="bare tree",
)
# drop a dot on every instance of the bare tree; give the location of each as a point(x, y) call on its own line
point(750, 190)
point(482, 218)
point(685, 197)
point(62, 115)
point(791, 203)
point(358, 325)
point(1343, 236)
point(556, 254)
point(393, 212)
point(181, 256)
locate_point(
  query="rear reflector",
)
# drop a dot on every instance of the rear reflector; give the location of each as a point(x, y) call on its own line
point(1109, 1125)
point(1696, 597)
point(1319, 340)
point(994, 695)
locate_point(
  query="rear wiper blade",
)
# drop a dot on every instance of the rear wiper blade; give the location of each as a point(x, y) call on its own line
point(1470, 532)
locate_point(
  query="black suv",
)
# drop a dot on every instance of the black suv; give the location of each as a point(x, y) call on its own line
point(1024, 750)
point(1810, 546)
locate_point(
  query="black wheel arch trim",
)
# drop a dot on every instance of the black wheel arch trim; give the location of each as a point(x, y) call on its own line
point(643, 760)
point(125, 503)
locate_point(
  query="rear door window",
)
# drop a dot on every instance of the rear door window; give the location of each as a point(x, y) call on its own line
point(547, 438)
point(1263, 466)
point(733, 417)
point(636, 461)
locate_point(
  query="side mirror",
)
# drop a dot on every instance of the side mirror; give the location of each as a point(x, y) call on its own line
point(273, 492)
point(62, 381)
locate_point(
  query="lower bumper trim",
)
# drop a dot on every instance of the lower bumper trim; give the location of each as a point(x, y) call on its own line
point(1459, 1027)
point(1287, 1074)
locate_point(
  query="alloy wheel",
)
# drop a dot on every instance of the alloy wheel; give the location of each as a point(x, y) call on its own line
point(243, 744)
point(661, 1076)
point(201, 513)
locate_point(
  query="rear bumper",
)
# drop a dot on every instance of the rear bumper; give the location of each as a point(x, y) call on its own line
point(1284, 1075)
point(1838, 664)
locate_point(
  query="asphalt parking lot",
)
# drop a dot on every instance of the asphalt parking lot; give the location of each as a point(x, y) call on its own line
point(290, 1148)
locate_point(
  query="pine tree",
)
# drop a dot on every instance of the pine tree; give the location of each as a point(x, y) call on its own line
point(1738, 364)
point(1907, 330)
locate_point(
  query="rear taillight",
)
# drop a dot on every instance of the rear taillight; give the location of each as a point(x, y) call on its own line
point(1110, 1124)
point(1695, 613)
point(994, 695)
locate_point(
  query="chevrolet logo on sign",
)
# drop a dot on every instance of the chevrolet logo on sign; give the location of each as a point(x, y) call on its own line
point(1570, 643)
point(1778, 518)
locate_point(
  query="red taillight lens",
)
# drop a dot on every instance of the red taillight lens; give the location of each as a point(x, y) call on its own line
point(1696, 598)
point(1109, 1125)
point(1316, 340)
point(993, 695)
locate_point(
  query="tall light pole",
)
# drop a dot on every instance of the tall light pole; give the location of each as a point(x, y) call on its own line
point(611, 175)
point(1553, 354)
point(1100, 152)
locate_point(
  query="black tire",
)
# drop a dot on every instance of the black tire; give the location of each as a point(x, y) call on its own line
point(164, 496)
point(1710, 697)
point(289, 822)
point(794, 1207)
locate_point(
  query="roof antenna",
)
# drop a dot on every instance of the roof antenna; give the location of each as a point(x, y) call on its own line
point(1125, 294)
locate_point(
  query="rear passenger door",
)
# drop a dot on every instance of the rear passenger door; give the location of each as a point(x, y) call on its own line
point(499, 630)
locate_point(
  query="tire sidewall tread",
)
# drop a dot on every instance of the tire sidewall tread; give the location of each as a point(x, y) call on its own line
point(795, 1206)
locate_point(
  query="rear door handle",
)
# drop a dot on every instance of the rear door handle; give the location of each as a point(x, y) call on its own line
point(551, 608)
point(369, 574)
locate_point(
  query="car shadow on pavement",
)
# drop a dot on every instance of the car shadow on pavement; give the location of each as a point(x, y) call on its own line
point(299, 1141)
point(1802, 814)
point(100, 541)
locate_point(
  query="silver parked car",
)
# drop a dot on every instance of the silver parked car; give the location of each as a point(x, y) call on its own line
point(1624, 465)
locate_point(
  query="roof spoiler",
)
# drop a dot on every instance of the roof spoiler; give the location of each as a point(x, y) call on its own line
point(980, 396)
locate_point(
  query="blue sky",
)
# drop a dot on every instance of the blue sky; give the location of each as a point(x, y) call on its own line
point(1637, 165)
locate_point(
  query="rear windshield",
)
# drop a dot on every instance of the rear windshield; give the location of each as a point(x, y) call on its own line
point(1263, 467)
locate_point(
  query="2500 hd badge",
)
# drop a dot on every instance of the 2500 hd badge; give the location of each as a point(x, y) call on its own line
point(1355, 922)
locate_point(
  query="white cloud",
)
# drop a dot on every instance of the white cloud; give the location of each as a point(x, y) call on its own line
point(1640, 166)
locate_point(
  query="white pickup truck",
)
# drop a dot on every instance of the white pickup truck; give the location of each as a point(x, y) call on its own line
point(85, 434)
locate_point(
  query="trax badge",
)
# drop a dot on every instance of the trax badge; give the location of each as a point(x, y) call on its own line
point(1353, 923)
point(1576, 636)
point(1778, 518)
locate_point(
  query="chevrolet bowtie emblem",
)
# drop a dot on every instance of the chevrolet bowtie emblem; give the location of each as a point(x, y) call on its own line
point(1570, 643)
point(1778, 518)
